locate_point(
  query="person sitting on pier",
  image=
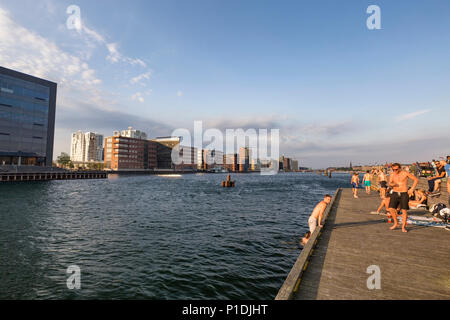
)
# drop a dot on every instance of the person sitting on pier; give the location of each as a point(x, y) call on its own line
point(317, 213)
point(420, 200)
point(305, 239)
point(398, 180)
point(435, 181)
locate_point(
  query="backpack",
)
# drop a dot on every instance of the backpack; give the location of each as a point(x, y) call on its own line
point(437, 208)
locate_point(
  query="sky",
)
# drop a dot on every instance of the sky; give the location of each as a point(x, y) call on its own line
point(337, 91)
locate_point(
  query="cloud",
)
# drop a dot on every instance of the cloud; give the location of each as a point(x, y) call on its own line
point(412, 115)
point(24, 50)
point(81, 103)
point(138, 96)
point(139, 78)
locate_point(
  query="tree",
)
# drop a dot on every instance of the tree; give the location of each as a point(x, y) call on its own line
point(63, 159)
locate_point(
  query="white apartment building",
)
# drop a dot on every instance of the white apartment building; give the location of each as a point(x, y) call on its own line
point(86, 147)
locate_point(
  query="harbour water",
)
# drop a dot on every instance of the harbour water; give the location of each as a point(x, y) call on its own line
point(156, 237)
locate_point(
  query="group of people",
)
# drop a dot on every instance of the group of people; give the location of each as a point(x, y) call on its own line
point(395, 194)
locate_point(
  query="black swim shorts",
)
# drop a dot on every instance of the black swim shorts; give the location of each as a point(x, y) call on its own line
point(399, 198)
point(383, 184)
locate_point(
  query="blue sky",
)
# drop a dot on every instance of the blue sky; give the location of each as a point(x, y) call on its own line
point(337, 91)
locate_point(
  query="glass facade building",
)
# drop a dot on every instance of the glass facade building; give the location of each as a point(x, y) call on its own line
point(27, 119)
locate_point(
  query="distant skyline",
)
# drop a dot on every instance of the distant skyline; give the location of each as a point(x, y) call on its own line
point(338, 92)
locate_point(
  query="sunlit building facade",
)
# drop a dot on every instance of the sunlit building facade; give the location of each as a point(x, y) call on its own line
point(27, 119)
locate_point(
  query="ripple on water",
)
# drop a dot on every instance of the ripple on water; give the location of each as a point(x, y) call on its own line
point(149, 237)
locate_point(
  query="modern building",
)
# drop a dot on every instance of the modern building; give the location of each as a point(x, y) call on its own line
point(244, 159)
point(164, 146)
point(287, 164)
point(86, 147)
point(27, 119)
point(186, 158)
point(294, 165)
point(255, 164)
point(210, 159)
point(126, 153)
point(230, 162)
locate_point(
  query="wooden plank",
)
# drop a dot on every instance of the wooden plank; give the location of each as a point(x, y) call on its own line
point(413, 265)
point(293, 279)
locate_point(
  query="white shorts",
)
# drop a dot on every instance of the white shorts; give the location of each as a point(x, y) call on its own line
point(312, 224)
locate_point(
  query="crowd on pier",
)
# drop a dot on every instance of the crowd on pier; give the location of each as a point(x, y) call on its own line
point(392, 183)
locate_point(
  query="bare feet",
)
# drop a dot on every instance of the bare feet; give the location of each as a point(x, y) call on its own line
point(404, 230)
point(394, 227)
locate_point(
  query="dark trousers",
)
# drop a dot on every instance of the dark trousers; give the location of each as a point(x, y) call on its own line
point(431, 184)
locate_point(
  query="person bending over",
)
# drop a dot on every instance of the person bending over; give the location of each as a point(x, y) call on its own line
point(317, 213)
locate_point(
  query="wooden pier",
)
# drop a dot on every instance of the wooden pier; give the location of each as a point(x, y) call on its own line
point(45, 176)
point(334, 263)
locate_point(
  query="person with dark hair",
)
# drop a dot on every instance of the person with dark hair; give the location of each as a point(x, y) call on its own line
point(383, 183)
point(398, 180)
point(435, 181)
point(355, 183)
point(305, 239)
point(317, 214)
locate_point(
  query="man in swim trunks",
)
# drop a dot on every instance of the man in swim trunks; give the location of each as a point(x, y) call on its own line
point(367, 181)
point(355, 183)
point(383, 183)
point(398, 180)
point(317, 213)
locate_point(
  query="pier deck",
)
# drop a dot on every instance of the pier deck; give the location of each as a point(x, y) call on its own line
point(414, 265)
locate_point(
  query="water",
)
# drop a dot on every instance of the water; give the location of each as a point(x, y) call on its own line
point(151, 237)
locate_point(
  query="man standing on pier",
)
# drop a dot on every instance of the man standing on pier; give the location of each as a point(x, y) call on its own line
point(317, 213)
point(398, 180)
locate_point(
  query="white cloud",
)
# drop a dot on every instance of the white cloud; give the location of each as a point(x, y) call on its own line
point(28, 52)
point(139, 78)
point(412, 115)
point(138, 96)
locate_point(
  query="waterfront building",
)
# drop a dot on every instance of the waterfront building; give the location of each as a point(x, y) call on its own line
point(255, 164)
point(281, 163)
point(244, 159)
point(230, 162)
point(86, 147)
point(287, 164)
point(210, 159)
point(27, 119)
point(164, 146)
point(127, 153)
point(294, 164)
point(187, 158)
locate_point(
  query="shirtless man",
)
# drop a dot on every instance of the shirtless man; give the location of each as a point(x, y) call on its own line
point(383, 183)
point(317, 213)
point(398, 180)
point(355, 183)
point(367, 181)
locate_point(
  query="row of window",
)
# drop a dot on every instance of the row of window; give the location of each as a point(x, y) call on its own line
point(23, 88)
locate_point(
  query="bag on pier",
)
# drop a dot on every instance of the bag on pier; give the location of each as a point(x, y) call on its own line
point(435, 209)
